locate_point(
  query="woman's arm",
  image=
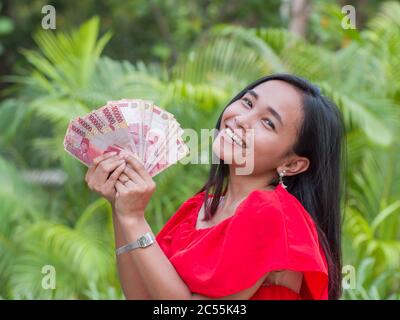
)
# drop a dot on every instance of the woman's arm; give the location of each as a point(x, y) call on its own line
point(101, 178)
point(156, 271)
point(160, 277)
point(131, 282)
point(152, 266)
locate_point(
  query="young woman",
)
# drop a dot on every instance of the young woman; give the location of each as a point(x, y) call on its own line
point(273, 233)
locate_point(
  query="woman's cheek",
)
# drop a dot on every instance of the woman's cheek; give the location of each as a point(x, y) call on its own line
point(261, 145)
point(264, 149)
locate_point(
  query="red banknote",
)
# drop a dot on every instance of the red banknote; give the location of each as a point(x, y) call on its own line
point(132, 126)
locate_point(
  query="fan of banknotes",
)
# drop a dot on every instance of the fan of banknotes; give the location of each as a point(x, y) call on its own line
point(133, 126)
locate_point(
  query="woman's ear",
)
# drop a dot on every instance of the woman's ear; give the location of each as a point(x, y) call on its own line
point(295, 166)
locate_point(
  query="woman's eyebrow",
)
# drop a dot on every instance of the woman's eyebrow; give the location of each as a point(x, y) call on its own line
point(253, 93)
point(275, 114)
point(269, 108)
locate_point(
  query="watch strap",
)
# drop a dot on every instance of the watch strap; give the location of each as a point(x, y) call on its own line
point(143, 241)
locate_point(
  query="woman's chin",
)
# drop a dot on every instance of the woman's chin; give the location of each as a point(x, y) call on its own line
point(229, 153)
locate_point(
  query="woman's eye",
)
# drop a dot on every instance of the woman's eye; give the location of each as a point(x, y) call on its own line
point(270, 123)
point(248, 102)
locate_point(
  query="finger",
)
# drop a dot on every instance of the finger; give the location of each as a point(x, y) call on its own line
point(115, 175)
point(132, 175)
point(137, 166)
point(123, 177)
point(103, 169)
point(111, 160)
point(109, 164)
point(104, 156)
point(89, 172)
point(119, 186)
point(130, 185)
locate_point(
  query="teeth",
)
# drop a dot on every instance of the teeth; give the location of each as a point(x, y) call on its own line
point(234, 137)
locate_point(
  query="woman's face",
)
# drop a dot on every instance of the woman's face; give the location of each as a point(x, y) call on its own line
point(267, 121)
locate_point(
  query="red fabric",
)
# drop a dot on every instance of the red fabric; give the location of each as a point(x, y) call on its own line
point(269, 231)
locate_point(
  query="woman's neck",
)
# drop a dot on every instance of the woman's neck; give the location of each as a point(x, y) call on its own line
point(239, 187)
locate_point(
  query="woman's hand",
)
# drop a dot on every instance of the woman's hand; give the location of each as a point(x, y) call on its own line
point(134, 188)
point(98, 175)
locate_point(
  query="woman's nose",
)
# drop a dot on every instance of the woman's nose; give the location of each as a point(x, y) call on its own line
point(243, 122)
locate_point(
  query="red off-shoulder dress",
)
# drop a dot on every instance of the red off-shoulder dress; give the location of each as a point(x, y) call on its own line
point(269, 231)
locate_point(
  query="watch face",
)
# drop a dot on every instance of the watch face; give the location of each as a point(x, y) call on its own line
point(144, 241)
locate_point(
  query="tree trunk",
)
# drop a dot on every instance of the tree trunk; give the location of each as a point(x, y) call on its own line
point(299, 15)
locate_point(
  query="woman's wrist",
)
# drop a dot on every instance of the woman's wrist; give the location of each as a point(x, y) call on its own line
point(133, 227)
point(130, 220)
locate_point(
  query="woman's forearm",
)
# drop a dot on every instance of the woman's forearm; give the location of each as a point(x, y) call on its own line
point(160, 277)
point(131, 282)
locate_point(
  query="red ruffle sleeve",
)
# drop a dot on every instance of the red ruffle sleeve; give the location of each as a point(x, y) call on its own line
point(269, 231)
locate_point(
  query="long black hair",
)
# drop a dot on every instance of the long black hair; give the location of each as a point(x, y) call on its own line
point(319, 189)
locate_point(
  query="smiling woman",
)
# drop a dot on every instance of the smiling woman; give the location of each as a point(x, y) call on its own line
point(266, 240)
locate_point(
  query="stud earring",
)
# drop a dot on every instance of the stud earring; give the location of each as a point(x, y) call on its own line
point(281, 175)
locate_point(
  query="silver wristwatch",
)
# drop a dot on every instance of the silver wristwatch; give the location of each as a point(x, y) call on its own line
point(144, 241)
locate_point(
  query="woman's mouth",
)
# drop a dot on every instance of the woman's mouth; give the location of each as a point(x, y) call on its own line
point(234, 137)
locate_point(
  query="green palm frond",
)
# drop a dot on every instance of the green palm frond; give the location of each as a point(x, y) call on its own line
point(206, 96)
point(223, 63)
point(12, 118)
point(355, 112)
point(265, 42)
point(384, 36)
point(57, 110)
point(373, 288)
point(356, 145)
point(375, 181)
point(365, 241)
point(372, 219)
point(277, 39)
point(388, 16)
point(312, 62)
point(64, 66)
point(80, 255)
point(115, 80)
point(100, 291)
point(20, 204)
point(356, 68)
point(67, 60)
